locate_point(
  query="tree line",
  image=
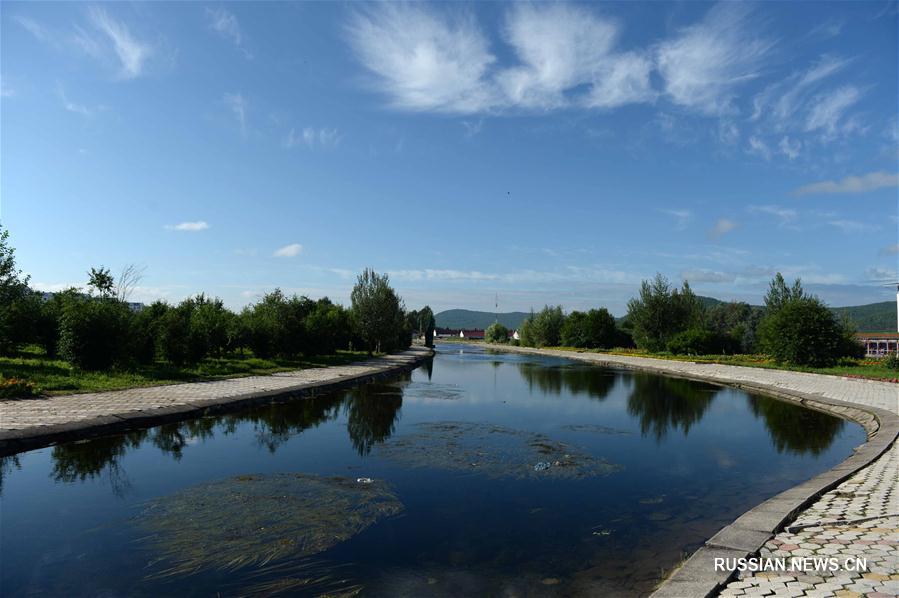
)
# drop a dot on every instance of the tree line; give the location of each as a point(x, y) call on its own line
point(97, 328)
point(792, 327)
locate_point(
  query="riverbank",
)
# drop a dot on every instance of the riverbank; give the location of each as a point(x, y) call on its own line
point(817, 506)
point(868, 369)
point(31, 423)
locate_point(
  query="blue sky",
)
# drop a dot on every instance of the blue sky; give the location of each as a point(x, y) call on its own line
point(550, 153)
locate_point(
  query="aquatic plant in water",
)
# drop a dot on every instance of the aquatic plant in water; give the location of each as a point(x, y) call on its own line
point(492, 450)
point(250, 521)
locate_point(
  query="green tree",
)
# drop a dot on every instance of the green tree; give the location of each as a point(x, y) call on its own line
point(427, 323)
point(101, 280)
point(13, 291)
point(94, 333)
point(805, 332)
point(378, 312)
point(660, 312)
point(496, 333)
point(592, 330)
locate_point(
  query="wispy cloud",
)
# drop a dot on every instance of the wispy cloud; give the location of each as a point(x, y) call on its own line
point(702, 275)
point(852, 226)
point(682, 217)
point(789, 147)
point(703, 66)
point(225, 24)
point(311, 137)
point(784, 215)
point(292, 250)
point(877, 274)
point(780, 102)
point(238, 106)
point(827, 109)
point(426, 59)
point(190, 227)
point(852, 184)
point(472, 127)
point(758, 147)
point(131, 52)
point(722, 227)
point(70, 105)
point(562, 47)
point(39, 32)
point(890, 249)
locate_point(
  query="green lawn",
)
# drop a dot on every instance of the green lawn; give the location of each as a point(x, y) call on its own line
point(52, 376)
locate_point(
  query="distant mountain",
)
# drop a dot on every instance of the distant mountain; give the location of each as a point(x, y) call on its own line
point(875, 317)
point(465, 318)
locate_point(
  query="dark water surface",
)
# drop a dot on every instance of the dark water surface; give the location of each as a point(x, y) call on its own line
point(634, 471)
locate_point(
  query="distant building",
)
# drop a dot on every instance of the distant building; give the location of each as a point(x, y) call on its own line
point(516, 336)
point(445, 332)
point(878, 344)
point(473, 335)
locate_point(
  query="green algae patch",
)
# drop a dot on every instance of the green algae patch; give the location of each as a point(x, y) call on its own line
point(263, 523)
point(492, 450)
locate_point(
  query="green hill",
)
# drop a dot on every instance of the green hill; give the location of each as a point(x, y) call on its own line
point(465, 318)
point(874, 317)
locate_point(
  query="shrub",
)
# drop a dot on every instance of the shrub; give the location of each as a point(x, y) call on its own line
point(891, 361)
point(93, 332)
point(496, 333)
point(17, 388)
point(805, 332)
point(700, 341)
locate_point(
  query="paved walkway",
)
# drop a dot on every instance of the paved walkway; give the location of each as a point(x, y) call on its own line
point(27, 423)
point(857, 518)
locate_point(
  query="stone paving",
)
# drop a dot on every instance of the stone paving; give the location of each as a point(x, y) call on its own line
point(859, 518)
point(32, 417)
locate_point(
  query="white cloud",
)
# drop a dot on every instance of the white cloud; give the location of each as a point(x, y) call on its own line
point(784, 215)
point(707, 61)
point(828, 109)
point(789, 147)
point(428, 60)
point(310, 136)
point(852, 226)
point(780, 102)
point(852, 184)
point(190, 227)
point(39, 32)
point(758, 147)
point(562, 47)
point(881, 274)
point(703, 275)
point(473, 127)
point(70, 105)
point(722, 227)
point(890, 249)
point(423, 60)
point(226, 25)
point(682, 217)
point(292, 250)
point(131, 52)
point(238, 105)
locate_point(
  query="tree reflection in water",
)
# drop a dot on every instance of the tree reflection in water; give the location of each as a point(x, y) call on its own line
point(372, 412)
point(662, 403)
point(576, 379)
point(796, 429)
point(78, 461)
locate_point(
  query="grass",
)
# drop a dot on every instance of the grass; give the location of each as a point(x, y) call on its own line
point(874, 369)
point(53, 376)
